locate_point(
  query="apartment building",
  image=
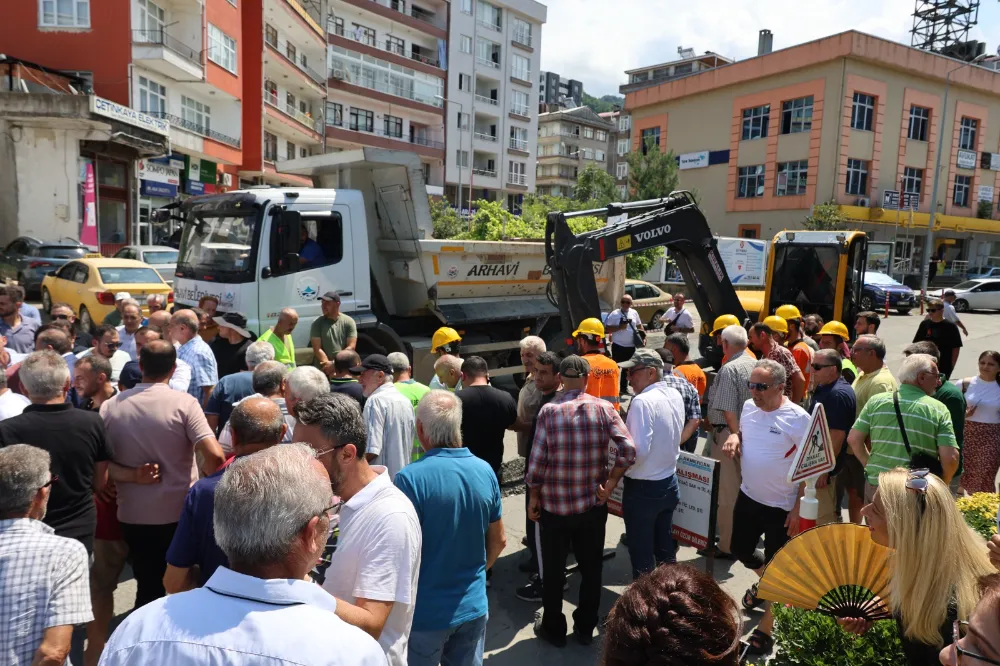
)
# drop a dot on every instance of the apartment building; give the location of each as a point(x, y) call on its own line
point(554, 89)
point(388, 66)
point(569, 141)
point(173, 60)
point(846, 119)
point(688, 64)
point(491, 128)
point(619, 146)
point(284, 96)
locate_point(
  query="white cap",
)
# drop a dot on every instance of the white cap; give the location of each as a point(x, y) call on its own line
point(122, 295)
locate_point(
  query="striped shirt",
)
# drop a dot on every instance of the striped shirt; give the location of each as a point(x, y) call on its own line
point(729, 390)
point(928, 426)
point(204, 370)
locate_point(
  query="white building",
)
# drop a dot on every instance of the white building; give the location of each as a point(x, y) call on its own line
point(492, 100)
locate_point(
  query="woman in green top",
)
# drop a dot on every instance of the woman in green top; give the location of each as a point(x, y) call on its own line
point(280, 337)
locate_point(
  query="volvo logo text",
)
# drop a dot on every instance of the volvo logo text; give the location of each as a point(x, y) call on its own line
point(652, 233)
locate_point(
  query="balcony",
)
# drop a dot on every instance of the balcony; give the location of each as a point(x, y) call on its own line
point(385, 46)
point(308, 122)
point(208, 133)
point(345, 69)
point(517, 179)
point(337, 129)
point(296, 66)
point(487, 173)
point(396, 11)
point(520, 110)
point(487, 62)
point(521, 38)
point(483, 23)
point(521, 75)
point(489, 101)
point(519, 144)
point(158, 51)
point(483, 136)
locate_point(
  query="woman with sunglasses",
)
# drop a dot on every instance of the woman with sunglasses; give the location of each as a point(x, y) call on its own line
point(981, 448)
point(936, 563)
point(977, 641)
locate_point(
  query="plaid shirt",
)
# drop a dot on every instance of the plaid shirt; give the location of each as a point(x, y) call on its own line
point(692, 403)
point(784, 358)
point(729, 389)
point(43, 583)
point(570, 454)
point(204, 369)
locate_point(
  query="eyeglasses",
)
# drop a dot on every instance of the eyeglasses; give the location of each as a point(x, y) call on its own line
point(759, 386)
point(331, 449)
point(333, 511)
point(637, 368)
point(960, 652)
point(52, 479)
point(60, 316)
point(819, 366)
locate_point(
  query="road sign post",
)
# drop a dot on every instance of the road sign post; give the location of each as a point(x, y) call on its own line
point(813, 458)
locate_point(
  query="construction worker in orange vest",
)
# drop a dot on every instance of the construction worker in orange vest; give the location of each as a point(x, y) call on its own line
point(796, 342)
point(602, 382)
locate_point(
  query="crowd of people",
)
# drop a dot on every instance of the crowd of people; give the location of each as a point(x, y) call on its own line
point(355, 503)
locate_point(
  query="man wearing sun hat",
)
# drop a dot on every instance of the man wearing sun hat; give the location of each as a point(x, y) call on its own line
point(114, 318)
point(230, 345)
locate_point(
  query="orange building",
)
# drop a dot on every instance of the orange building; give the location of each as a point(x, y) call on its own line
point(842, 119)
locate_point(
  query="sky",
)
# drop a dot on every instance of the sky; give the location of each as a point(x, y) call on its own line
point(588, 41)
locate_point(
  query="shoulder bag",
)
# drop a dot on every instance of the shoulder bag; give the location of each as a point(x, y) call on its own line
point(638, 337)
point(919, 460)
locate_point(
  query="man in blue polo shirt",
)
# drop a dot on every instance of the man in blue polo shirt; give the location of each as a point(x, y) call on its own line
point(838, 400)
point(257, 424)
point(457, 500)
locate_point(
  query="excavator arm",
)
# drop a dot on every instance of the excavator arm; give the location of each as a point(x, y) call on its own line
point(674, 222)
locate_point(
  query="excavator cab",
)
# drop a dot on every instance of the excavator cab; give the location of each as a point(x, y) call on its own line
point(674, 222)
point(819, 272)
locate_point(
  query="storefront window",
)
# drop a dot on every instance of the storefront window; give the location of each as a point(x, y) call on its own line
point(111, 220)
point(111, 174)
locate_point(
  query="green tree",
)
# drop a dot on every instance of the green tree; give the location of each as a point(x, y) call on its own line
point(825, 216)
point(446, 220)
point(595, 187)
point(652, 175)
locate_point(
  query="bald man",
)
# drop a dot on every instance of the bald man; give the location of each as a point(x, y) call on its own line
point(280, 337)
point(195, 352)
point(132, 375)
point(257, 424)
point(159, 321)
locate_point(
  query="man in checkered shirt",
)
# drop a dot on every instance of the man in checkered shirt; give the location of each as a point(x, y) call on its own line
point(569, 482)
point(44, 585)
point(195, 352)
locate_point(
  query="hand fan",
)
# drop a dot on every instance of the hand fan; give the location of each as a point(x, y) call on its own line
point(835, 569)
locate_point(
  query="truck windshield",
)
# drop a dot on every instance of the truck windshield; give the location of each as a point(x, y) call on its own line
point(806, 276)
point(218, 246)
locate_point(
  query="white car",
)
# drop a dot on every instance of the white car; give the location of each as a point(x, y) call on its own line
point(161, 258)
point(981, 294)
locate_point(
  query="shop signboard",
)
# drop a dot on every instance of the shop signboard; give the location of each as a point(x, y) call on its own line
point(128, 115)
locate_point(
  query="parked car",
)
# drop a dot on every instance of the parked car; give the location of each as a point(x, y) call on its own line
point(649, 301)
point(979, 294)
point(901, 298)
point(89, 286)
point(162, 258)
point(991, 272)
point(28, 259)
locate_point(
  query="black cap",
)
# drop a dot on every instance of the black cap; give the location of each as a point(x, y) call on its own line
point(330, 296)
point(574, 366)
point(373, 362)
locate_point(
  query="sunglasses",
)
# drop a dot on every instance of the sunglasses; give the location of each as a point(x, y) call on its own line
point(934, 309)
point(759, 386)
point(60, 316)
point(113, 345)
point(917, 481)
point(818, 366)
point(956, 635)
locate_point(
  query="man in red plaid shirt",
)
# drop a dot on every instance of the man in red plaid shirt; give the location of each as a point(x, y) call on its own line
point(569, 484)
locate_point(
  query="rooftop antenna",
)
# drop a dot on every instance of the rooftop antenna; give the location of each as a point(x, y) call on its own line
point(938, 25)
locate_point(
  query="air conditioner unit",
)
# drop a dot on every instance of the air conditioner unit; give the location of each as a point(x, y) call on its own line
point(864, 202)
point(338, 74)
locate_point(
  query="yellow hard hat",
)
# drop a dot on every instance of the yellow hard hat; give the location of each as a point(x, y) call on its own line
point(788, 312)
point(835, 328)
point(776, 324)
point(724, 320)
point(443, 337)
point(590, 326)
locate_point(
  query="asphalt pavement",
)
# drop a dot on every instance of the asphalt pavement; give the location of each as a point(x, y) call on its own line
point(510, 641)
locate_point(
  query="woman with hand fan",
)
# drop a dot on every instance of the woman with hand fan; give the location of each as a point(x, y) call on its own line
point(935, 564)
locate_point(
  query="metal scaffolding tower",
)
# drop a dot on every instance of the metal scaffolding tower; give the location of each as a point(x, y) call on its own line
point(941, 24)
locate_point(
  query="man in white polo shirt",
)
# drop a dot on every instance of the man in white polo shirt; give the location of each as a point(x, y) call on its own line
point(372, 559)
point(771, 427)
point(623, 324)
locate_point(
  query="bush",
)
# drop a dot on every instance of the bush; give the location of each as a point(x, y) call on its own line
point(980, 511)
point(808, 638)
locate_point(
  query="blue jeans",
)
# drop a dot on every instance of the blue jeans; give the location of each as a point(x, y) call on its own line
point(648, 510)
point(461, 645)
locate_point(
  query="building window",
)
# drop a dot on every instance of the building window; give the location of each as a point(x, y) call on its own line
point(466, 44)
point(919, 119)
point(588, 132)
point(395, 45)
point(748, 231)
point(290, 51)
point(601, 135)
point(221, 49)
point(623, 192)
point(303, 152)
point(64, 14)
point(863, 112)
point(467, 6)
point(334, 114)
point(290, 151)
point(519, 138)
point(514, 202)
point(519, 103)
point(963, 184)
point(271, 35)
point(193, 111)
point(516, 173)
point(750, 182)
point(464, 82)
point(623, 146)
point(338, 26)
point(151, 20)
point(364, 34)
point(271, 92)
point(599, 155)
point(463, 121)
point(521, 32)
point(152, 97)
point(650, 136)
point(755, 122)
point(393, 126)
point(621, 170)
point(520, 67)
point(791, 178)
point(796, 115)
point(290, 103)
point(462, 157)
point(270, 147)
point(913, 180)
point(362, 121)
point(857, 177)
point(488, 15)
point(624, 123)
point(967, 134)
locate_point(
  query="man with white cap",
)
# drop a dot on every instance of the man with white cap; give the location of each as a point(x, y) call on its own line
point(230, 345)
point(114, 318)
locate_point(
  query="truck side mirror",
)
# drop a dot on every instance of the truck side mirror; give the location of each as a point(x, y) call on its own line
point(286, 242)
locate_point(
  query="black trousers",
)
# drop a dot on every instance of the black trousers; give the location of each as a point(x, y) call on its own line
point(751, 521)
point(584, 532)
point(620, 354)
point(529, 529)
point(148, 546)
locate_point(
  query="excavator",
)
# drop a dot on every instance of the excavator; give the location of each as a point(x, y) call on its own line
point(820, 272)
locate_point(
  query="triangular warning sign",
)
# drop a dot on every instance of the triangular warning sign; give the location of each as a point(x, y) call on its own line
point(815, 453)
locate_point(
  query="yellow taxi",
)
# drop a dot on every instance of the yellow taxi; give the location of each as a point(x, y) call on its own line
point(649, 301)
point(89, 286)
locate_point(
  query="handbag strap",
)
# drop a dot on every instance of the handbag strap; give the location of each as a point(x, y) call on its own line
point(899, 418)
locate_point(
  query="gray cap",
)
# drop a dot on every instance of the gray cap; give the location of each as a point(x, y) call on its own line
point(573, 367)
point(643, 358)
